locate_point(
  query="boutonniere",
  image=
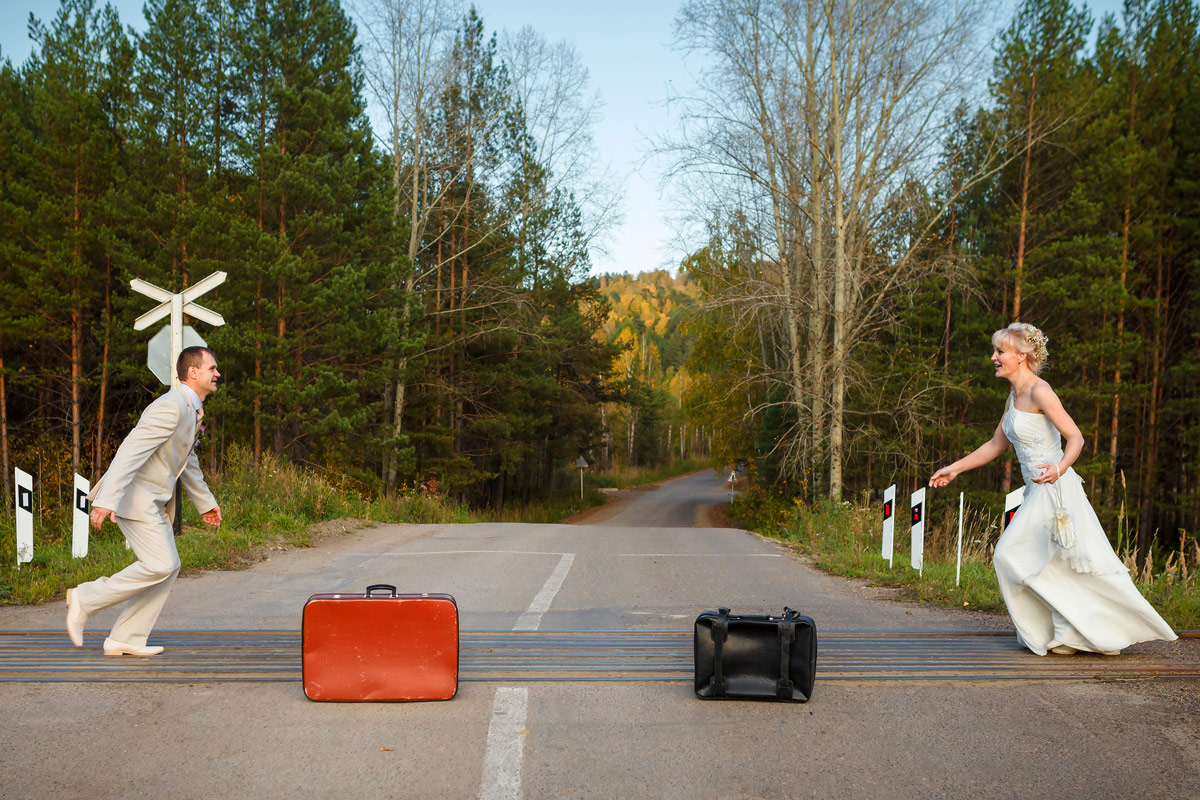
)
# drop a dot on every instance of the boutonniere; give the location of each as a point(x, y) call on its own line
point(200, 430)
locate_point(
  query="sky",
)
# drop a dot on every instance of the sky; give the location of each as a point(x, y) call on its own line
point(625, 45)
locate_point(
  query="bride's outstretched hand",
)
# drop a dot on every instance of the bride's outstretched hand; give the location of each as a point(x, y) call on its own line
point(942, 477)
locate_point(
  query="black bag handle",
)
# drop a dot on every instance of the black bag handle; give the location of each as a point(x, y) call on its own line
point(387, 586)
point(717, 685)
point(787, 635)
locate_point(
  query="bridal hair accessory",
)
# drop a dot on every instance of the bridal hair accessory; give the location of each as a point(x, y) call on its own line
point(1038, 341)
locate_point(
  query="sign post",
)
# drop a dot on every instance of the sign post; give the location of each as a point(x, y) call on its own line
point(958, 563)
point(918, 530)
point(1012, 501)
point(889, 521)
point(581, 464)
point(24, 498)
point(79, 518)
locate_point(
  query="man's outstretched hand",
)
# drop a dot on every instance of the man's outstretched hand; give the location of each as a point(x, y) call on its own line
point(98, 516)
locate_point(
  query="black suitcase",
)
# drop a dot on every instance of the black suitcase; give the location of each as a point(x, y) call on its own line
point(745, 657)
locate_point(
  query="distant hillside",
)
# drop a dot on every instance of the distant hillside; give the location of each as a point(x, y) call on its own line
point(648, 320)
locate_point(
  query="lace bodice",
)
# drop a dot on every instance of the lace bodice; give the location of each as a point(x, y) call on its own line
point(1033, 437)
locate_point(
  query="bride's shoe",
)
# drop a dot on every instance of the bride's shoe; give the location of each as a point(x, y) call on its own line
point(1063, 650)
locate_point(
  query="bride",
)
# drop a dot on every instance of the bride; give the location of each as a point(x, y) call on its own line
point(1065, 589)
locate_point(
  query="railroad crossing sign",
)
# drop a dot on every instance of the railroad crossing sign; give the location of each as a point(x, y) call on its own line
point(158, 352)
point(175, 304)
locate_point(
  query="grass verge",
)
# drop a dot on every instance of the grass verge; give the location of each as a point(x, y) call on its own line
point(276, 506)
point(568, 502)
point(625, 477)
point(845, 540)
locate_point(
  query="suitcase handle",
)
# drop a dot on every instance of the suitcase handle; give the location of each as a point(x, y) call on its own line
point(371, 589)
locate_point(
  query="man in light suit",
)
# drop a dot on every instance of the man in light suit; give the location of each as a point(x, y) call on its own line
point(137, 493)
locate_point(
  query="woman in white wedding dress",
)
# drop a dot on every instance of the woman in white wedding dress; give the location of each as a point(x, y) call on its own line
point(1061, 598)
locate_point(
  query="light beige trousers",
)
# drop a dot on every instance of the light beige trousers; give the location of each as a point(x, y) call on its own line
point(143, 586)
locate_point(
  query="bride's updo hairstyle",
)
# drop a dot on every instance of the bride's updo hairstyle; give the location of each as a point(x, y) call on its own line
point(1021, 337)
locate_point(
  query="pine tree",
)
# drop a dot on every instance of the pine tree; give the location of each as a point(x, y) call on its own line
point(77, 81)
point(15, 321)
point(308, 342)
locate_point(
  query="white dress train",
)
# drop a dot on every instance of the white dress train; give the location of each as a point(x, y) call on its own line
point(1081, 596)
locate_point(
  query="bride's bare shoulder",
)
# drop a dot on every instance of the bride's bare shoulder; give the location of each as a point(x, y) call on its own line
point(1043, 394)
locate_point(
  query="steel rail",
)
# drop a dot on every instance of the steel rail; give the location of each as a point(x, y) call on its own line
point(226, 656)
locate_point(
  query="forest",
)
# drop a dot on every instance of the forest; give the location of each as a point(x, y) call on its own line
point(405, 308)
point(411, 302)
point(879, 207)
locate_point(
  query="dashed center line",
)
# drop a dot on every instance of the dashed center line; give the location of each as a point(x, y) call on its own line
point(532, 618)
point(501, 778)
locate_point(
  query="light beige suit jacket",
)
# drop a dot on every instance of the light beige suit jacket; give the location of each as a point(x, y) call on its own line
point(140, 482)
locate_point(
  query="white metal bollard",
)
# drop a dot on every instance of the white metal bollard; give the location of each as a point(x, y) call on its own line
point(1012, 501)
point(918, 530)
point(79, 518)
point(958, 563)
point(24, 496)
point(889, 522)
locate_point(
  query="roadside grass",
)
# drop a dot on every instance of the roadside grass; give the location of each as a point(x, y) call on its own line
point(552, 509)
point(278, 506)
point(274, 507)
point(845, 540)
point(566, 502)
point(625, 477)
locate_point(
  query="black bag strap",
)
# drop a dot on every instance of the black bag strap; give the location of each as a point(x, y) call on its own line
point(717, 685)
point(787, 635)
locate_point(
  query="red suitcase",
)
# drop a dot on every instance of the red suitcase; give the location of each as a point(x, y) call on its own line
point(374, 646)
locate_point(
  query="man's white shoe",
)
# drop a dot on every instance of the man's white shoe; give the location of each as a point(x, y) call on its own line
point(76, 619)
point(114, 648)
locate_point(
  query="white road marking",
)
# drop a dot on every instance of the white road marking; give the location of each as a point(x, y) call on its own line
point(596, 555)
point(696, 555)
point(460, 552)
point(532, 618)
point(505, 746)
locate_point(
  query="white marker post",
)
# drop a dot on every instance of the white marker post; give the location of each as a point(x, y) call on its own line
point(958, 563)
point(79, 518)
point(1012, 501)
point(24, 497)
point(889, 521)
point(918, 530)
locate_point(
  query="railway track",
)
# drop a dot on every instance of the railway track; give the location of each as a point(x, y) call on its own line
point(274, 656)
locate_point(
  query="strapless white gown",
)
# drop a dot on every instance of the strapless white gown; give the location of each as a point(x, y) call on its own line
point(1081, 596)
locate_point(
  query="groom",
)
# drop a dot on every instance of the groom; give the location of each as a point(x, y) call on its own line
point(137, 494)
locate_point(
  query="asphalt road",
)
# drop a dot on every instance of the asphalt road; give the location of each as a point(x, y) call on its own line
point(1001, 739)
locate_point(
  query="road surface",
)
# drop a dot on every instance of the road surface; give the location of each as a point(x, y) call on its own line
point(628, 739)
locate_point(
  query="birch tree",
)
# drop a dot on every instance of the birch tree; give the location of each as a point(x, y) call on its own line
point(812, 118)
point(406, 49)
